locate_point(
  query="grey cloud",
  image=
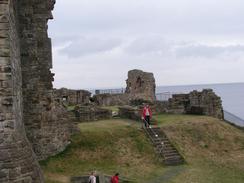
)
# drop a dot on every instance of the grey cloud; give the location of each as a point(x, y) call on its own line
point(62, 39)
point(211, 22)
point(200, 50)
point(88, 46)
point(148, 45)
point(218, 17)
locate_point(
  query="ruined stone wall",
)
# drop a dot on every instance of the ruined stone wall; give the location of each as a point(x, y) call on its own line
point(141, 85)
point(17, 160)
point(72, 97)
point(92, 113)
point(205, 102)
point(208, 101)
point(44, 119)
point(111, 99)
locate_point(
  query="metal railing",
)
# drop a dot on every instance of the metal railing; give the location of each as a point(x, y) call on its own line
point(233, 119)
point(165, 96)
point(110, 91)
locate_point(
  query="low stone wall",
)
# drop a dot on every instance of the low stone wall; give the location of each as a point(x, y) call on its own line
point(205, 102)
point(72, 97)
point(111, 99)
point(130, 113)
point(159, 107)
point(91, 113)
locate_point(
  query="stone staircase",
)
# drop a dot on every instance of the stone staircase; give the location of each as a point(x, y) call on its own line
point(163, 147)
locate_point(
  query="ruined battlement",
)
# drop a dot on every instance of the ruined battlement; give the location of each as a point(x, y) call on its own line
point(141, 85)
point(32, 125)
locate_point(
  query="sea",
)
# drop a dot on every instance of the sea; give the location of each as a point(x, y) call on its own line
point(232, 95)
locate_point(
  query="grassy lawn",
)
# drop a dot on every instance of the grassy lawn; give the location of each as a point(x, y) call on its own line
point(214, 152)
point(213, 149)
point(108, 147)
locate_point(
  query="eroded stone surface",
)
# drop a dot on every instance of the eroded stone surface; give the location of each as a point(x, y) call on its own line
point(17, 161)
point(141, 85)
point(205, 102)
point(44, 118)
point(30, 119)
point(72, 97)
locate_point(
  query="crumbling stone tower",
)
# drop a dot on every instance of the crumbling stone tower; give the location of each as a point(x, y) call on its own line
point(17, 160)
point(45, 124)
point(141, 85)
point(32, 124)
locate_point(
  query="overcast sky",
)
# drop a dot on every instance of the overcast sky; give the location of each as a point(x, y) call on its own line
point(96, 42)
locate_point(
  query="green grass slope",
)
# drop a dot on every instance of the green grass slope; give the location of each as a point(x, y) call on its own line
point(214, 152)
point(106, 146)
point(213, 149)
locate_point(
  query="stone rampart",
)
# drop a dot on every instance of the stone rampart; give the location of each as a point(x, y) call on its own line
point(44, 118)
point(17, 161)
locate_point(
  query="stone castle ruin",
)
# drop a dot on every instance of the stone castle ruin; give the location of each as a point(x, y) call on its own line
point(140, 86)
point(141, 89)
point(33, 126)
point(72, 97)
point(205, 102)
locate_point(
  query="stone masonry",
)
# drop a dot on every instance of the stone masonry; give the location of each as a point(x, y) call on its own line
point(33, 125)
point(45, 123)
point(17, 161)
point(205, 102)
point(141, 85)
point(111, 99)
point(72, 97)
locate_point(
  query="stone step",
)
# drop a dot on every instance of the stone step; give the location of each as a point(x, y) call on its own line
point(163, 146)
point(173, 162)
point(172, 157)
point(170, 151)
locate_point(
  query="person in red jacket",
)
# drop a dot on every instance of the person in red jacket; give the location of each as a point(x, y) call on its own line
point(146, 115)
point(115, 178)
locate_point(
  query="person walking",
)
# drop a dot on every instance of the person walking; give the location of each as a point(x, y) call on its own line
point(147, 115)
point(115, 178)
point(92, 178)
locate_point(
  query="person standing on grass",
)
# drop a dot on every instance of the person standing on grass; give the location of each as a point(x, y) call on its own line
point(147, 115)
point(92, 178)
point(115, 178)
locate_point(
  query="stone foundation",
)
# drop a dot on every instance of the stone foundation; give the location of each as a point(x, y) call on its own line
point(130, 113)
point(72, 97)
point(91, 113)
point(202, 103)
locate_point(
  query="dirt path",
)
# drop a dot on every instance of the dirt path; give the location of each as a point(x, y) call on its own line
point(169, 175)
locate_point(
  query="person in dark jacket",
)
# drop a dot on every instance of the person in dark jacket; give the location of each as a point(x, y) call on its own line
point(115, 178)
